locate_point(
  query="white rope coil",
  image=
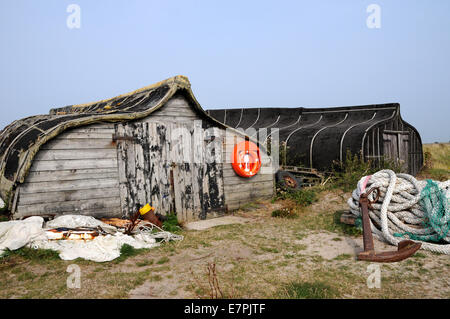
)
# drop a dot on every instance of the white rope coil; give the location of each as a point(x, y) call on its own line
point(398, 210)
point(160, 233)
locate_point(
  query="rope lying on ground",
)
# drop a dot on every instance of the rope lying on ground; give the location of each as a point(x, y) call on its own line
point(407, 208)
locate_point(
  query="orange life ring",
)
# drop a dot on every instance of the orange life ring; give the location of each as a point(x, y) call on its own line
point(246, 160)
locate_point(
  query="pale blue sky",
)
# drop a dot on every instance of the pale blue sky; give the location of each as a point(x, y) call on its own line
point(316, 53)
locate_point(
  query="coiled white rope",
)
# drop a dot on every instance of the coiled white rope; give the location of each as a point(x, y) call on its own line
point(160, 233)
point(398, 210)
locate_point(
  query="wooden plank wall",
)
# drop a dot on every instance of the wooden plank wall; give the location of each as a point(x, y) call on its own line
point(76, 172)
point(165, 164)
point(209, 187)
point(240, 190)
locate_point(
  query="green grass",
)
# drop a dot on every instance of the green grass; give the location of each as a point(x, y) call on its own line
point(436, 161)
point(147, 262)
point(440, 155)
point(270, 250)
point(343, 257)
point(26, 276)
point(127, 251)
point(38, 255)
point(419, 255)
point(308, 290)
point(163, 260)
point(171, 224)
point(330, 222)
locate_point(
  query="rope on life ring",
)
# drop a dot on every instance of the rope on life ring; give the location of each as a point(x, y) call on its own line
point(246, 159)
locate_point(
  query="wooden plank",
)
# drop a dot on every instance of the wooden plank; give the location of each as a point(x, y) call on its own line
point(177, 159)
point(237, 203)
point(166, 190)
point(46, 155)
point(228, 171)
point(73, 164)
point(188, 191)
point(141, 199)
point(76, 144)
point(231, 198)
point(43, 187)
point(88, 129)
point(121, 155)
point(173, 118)
point(403, 142)
point(155, 150)
point(205, 189)
point(147, 163)
point(390, 146)
point(130, 169)
point(69, 206)
point(100, 125)
point(85, 135)
point(52, 197)
point(187, 170)
point(177, 105)
point(248, 187)
point(218, 141)
point(238, 180)
point(197, 173)
point(182, 112)
point(69, 175)
point(122, 164)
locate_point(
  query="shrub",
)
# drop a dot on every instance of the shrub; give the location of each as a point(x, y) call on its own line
point(346, 174)
point(284, 213)
point(303, 197)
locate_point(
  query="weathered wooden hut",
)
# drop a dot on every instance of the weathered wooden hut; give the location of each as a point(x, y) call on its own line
point(106, 159)
point(315, 137)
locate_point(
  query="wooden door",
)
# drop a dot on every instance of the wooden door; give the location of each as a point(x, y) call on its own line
point(168, 166)
point(396, 147)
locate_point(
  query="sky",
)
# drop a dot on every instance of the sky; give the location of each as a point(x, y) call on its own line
point(318, 53)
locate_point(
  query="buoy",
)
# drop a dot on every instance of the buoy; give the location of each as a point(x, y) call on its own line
point(246, 160)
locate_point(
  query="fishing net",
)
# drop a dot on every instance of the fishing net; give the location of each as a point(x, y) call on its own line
point(435, 204)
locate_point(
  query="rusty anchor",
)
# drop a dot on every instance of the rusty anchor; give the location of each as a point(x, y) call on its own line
point(405, 248)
